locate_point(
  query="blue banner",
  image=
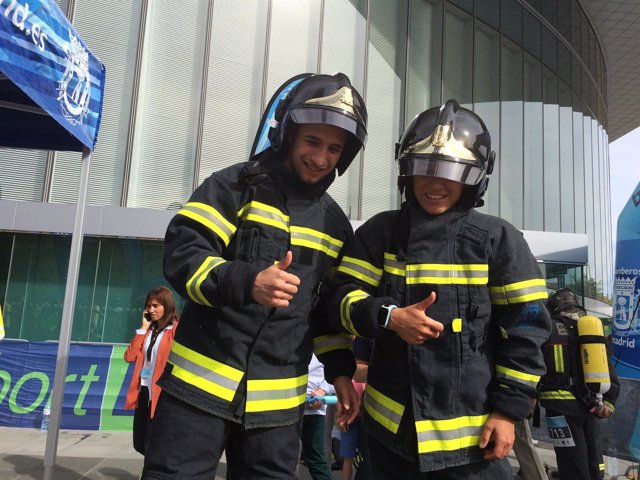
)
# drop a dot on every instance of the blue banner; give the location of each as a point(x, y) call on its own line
point(43, 55)
point(95, 385)
point(626, 331)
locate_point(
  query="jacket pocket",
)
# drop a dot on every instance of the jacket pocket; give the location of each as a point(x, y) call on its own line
point(473, 332)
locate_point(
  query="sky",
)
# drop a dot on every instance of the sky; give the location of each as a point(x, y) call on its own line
point(624, 164)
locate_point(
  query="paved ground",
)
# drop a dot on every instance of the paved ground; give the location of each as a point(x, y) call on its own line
point(98, 455)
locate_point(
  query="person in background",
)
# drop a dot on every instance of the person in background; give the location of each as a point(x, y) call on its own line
point(453, 299)
point(149, 349)
point(252, 252)
point(570, 407)
point(351, 438)
point(313, 423)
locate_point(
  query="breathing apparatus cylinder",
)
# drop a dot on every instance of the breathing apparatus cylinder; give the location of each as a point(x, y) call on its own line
point(593, 354)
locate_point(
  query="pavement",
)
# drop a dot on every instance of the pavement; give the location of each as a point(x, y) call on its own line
point(99, 455)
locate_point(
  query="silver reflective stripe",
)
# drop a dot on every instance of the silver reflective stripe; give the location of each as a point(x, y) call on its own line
point(253, 396)
point(328, 343)
point(519, 292)
point(308, 237)
point(517, 376)
point(454, 434)
point(194, 283)
point(382, 409)
point(361, 270)
point(448, 274)
point(210, 218)
point(263, 213)
point(345, 309)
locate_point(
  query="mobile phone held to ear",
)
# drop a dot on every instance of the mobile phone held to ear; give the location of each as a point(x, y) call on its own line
point(147, 316)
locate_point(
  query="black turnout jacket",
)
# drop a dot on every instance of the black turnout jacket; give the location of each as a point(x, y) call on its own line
point(232, 357)
point(489, 291)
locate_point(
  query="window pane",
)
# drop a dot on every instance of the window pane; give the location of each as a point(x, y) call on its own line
point(551, 169)
point(458, 55)
point(234, 84)
point(111, 29)
point(22, 174)
point(548, 10)
point(29, 312)
point(466, 4)
point(489, 11)
point(511, 136)
point(578, 173)
point(166, 131)
point(425, 50)
point(549, 49)
point(298, 19)
point(566, 161)
point(533, 143)
point(486, 85)
point(386, 71)
point(531, 34)
point(564, 18)
point(343, 50)
point(511, 19)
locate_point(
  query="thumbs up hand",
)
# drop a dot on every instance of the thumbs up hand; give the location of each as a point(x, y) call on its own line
point(274, 286)
point(413, 325)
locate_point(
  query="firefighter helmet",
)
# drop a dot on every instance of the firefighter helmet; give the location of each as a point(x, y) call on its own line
point(325, 99)
point(562, 299)
point(449, 142)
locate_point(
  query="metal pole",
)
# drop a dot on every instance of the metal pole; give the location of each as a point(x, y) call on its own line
point(67, 319)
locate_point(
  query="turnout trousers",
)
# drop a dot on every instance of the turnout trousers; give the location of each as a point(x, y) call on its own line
point(583, 461)
point(387, 465)
point(187, 442)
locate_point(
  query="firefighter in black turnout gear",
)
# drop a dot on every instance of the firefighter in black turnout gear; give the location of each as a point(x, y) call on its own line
point(251, 252)
point(571, 409)
point(452, 298)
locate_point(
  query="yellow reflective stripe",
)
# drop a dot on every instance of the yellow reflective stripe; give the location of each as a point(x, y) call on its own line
point(610, 405)
point(194, 283)
point(345, 309)
point(450, 434)
point(263, 213)
point(520, 292)
point(444, 274)
point(557, 395)
point(2, 332)
point(210, 218)
point(203, 372)
point(276, 394)
point(516, 376)
point(329, 343)
point(393, 266)
point(361, 270)
point(307, 237)
point(559, 358)
point(382, 409)
point(601, 467)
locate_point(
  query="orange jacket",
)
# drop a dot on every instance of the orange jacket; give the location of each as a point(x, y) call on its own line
point(135, 353)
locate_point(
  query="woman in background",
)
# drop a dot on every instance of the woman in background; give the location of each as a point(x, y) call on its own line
point(149, 349)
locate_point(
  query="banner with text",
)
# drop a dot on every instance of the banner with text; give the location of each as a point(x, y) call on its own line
point(95, 386)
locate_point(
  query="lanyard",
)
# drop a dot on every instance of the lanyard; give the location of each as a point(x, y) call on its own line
point(154, 336)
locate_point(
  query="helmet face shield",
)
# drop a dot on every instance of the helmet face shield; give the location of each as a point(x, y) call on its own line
point(462, 172)
point(331, 117)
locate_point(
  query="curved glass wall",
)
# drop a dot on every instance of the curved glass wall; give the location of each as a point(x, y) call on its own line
point(177, 109)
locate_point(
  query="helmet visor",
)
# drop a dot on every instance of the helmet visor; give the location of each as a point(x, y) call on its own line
point(464, 173)
point(328, 116)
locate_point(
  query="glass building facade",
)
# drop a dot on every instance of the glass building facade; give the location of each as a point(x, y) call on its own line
point(187, 82)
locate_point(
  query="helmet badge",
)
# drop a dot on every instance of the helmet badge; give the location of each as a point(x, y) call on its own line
point(341, 100)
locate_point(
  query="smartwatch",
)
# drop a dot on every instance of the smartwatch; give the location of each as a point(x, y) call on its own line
point(387, 314)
